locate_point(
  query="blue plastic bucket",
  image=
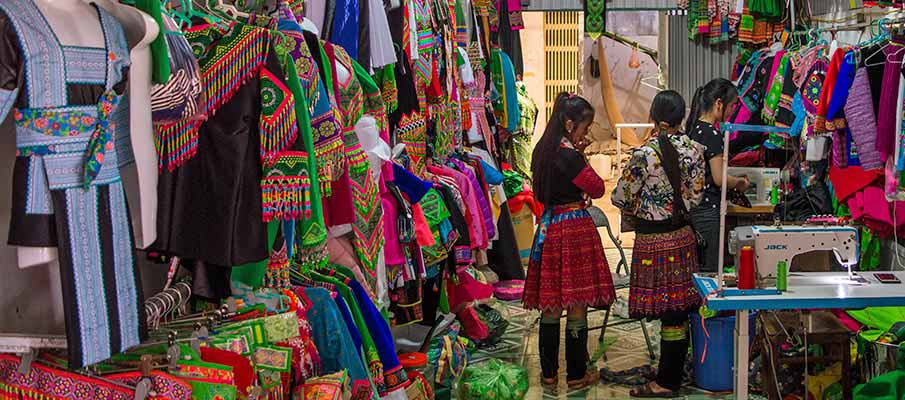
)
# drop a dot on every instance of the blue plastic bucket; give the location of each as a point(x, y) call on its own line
point(715, 373)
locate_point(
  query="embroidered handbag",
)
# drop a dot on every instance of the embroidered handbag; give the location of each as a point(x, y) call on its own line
point(329, 387)
point(281, 327)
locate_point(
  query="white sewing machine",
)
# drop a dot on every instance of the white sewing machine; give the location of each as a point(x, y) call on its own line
point(775, 243)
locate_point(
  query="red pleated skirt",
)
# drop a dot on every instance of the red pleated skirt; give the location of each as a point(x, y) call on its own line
point(567, 267)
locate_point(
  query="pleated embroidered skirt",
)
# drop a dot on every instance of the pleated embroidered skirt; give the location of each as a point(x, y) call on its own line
point(567, 267)
point(661, 281)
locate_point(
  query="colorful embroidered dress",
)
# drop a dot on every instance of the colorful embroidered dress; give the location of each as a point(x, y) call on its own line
point(66, 190)
point(210, 207)
point(367, 228)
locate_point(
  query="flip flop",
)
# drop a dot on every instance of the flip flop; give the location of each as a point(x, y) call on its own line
point(645, 392)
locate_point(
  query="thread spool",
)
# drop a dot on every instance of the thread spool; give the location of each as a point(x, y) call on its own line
point(746, 270)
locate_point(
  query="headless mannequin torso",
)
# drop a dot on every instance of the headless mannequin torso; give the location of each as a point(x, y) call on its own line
point(140, 179)
point(88, 33)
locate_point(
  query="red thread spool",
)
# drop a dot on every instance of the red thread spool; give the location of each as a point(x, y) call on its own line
point(746, 268)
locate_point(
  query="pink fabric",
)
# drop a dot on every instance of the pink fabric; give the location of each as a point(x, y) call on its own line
point(891, 183)
point(876, 216)
point(889, 97)
point(467, 290)
point(849, 322)
point(391, 249)
point(423, 234)
point(477, 234)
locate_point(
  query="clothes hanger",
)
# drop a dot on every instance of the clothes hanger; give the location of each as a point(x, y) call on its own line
point(883, 34)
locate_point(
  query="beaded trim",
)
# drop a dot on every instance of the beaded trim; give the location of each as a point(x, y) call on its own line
point(229, 57)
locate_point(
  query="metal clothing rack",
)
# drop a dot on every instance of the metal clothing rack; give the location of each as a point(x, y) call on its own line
point(19, 343)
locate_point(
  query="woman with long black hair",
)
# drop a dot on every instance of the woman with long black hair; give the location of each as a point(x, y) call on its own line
point(663, 180)
point(712, 105)
point(567, 268)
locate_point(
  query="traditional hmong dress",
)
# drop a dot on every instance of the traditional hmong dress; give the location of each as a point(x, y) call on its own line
point(325, 128)
point(66, 190)
point(567, 267)
point(665, 255)
point(210, 207)
point(367, 229)
point(338, 205)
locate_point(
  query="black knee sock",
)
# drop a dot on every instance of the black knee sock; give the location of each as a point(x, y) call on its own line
point(576, 349)
point(673, 351)
point(548, 346)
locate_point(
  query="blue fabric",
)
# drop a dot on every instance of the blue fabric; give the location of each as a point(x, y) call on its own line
point(411, 185)
point(492, 175)
point(800, 115)
point(350, 323)
point(850, 151)
point(377, 326)
point(7, 99)
point(345, 26)
point(843, 83)
point(445, 228)
point(512, 108)
point(332, 338)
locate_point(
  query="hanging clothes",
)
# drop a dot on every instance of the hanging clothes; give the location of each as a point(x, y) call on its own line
point(66, 184)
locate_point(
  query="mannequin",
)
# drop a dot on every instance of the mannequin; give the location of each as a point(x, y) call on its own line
point(59, 14)
point(141, 30)
point(69, 131)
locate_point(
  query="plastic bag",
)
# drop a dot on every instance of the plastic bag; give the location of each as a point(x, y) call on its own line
point(182, 96)
point(495, 380)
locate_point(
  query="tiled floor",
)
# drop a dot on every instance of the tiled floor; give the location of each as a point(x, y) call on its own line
point(628, 351)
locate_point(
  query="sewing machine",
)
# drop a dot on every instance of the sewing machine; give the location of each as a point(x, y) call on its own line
point(775, 243)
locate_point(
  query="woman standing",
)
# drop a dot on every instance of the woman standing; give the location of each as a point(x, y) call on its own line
point(567, 268)
point(663, 180)
point(712, 104)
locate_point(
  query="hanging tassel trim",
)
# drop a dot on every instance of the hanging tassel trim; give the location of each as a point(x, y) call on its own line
point(286, 190)
point(227, 64)
point(278, 123)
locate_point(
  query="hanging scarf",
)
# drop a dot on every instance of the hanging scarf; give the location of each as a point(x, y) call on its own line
point(594, 18)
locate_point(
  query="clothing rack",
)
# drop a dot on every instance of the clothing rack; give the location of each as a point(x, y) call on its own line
point(24, 343)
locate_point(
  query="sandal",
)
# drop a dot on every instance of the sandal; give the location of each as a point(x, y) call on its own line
point(589, 379)
point(549, 384)
point(646, 392)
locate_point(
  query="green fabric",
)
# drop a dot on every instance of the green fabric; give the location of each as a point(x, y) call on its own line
point(870, 250)
point(313, 231)
point(160, 53)
point(494, 379)
point(252, 274)
point(889, 386)
point(882, 318)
